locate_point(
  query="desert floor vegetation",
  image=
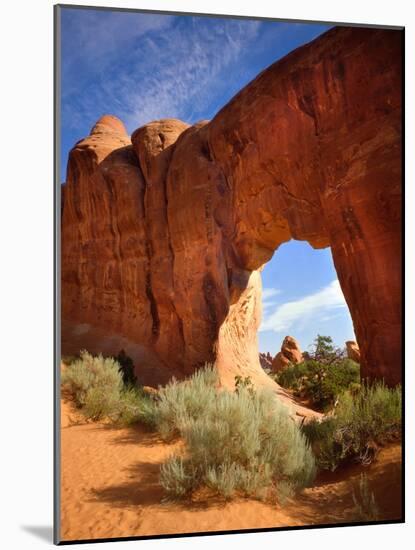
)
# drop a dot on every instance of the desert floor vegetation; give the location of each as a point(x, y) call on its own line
point(361, 423)
point(101, 390)
point(241, 443)
point(236, 443)
point(324, 374)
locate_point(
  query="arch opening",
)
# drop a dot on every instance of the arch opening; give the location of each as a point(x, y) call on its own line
point(301, 298)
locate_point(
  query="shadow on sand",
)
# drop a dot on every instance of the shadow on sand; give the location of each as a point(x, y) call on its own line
point(145, 490)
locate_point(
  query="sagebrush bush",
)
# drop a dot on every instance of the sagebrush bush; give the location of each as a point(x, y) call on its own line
point(97, 387)
point(235, 443)
point(179, 401)
point(94, 382)
point(319, 382)
point(176, 478)
point(362, 421)
point(244, 383)
point(68, 359)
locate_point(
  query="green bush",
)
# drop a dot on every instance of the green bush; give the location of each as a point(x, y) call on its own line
point(235, 443)
point(321, 383)
point(324, 374)
point(133, 406)
point(97, 387)
point(361, 423)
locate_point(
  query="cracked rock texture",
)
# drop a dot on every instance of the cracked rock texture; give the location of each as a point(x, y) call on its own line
point(164, 234)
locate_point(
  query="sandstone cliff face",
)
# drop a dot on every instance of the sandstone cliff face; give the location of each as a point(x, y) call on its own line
point(107, 294)
point(164, 235)
point(290, 353)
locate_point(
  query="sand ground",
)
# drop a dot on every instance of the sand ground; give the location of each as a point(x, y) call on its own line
point(110, 488)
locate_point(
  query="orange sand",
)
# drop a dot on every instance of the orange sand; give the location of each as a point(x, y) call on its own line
point(110, 489)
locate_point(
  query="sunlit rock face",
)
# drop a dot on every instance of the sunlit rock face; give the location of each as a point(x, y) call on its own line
point(353, 351)
point(290, 354)
point(164, 234)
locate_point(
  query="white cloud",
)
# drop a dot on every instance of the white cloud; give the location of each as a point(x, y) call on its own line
point(268, 293)
point(268, 298)
point(322, 304)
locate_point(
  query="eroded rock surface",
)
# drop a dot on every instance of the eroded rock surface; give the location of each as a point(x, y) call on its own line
point(163, 238)
point(290, 354)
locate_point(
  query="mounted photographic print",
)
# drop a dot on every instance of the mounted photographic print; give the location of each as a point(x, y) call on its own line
point(229, 352)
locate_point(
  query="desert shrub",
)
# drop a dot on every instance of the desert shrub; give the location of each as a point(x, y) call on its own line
point(324, 374)
point(321, 383)
point(133, 406)
point(100, 403)
point(238, 442)
point(88, 374)
point(68, 359)
point(362, 421)
point(179, 401)
point(244, 383)
point(97, 388)
point(366, 508)
point(176, 478)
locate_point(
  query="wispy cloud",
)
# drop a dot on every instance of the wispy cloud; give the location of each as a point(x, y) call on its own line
point(185, 66)
point(268, 293)
point(269, 298)
point(147, 67)
point(92, 40)
point(324, 304)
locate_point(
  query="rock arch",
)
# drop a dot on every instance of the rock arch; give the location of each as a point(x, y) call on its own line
point(164, 235)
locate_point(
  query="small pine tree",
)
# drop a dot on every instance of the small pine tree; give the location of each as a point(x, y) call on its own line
point(324, 350)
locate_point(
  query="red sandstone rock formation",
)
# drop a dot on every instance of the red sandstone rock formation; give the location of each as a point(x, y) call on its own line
point(290, 353)
point(353, 351)
point(163, 239)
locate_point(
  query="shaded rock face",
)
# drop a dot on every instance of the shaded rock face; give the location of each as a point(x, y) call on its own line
point(353, 351)
point(164, 234)
point(290, 353)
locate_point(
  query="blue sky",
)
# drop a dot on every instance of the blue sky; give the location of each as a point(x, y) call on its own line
point(142, 67)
